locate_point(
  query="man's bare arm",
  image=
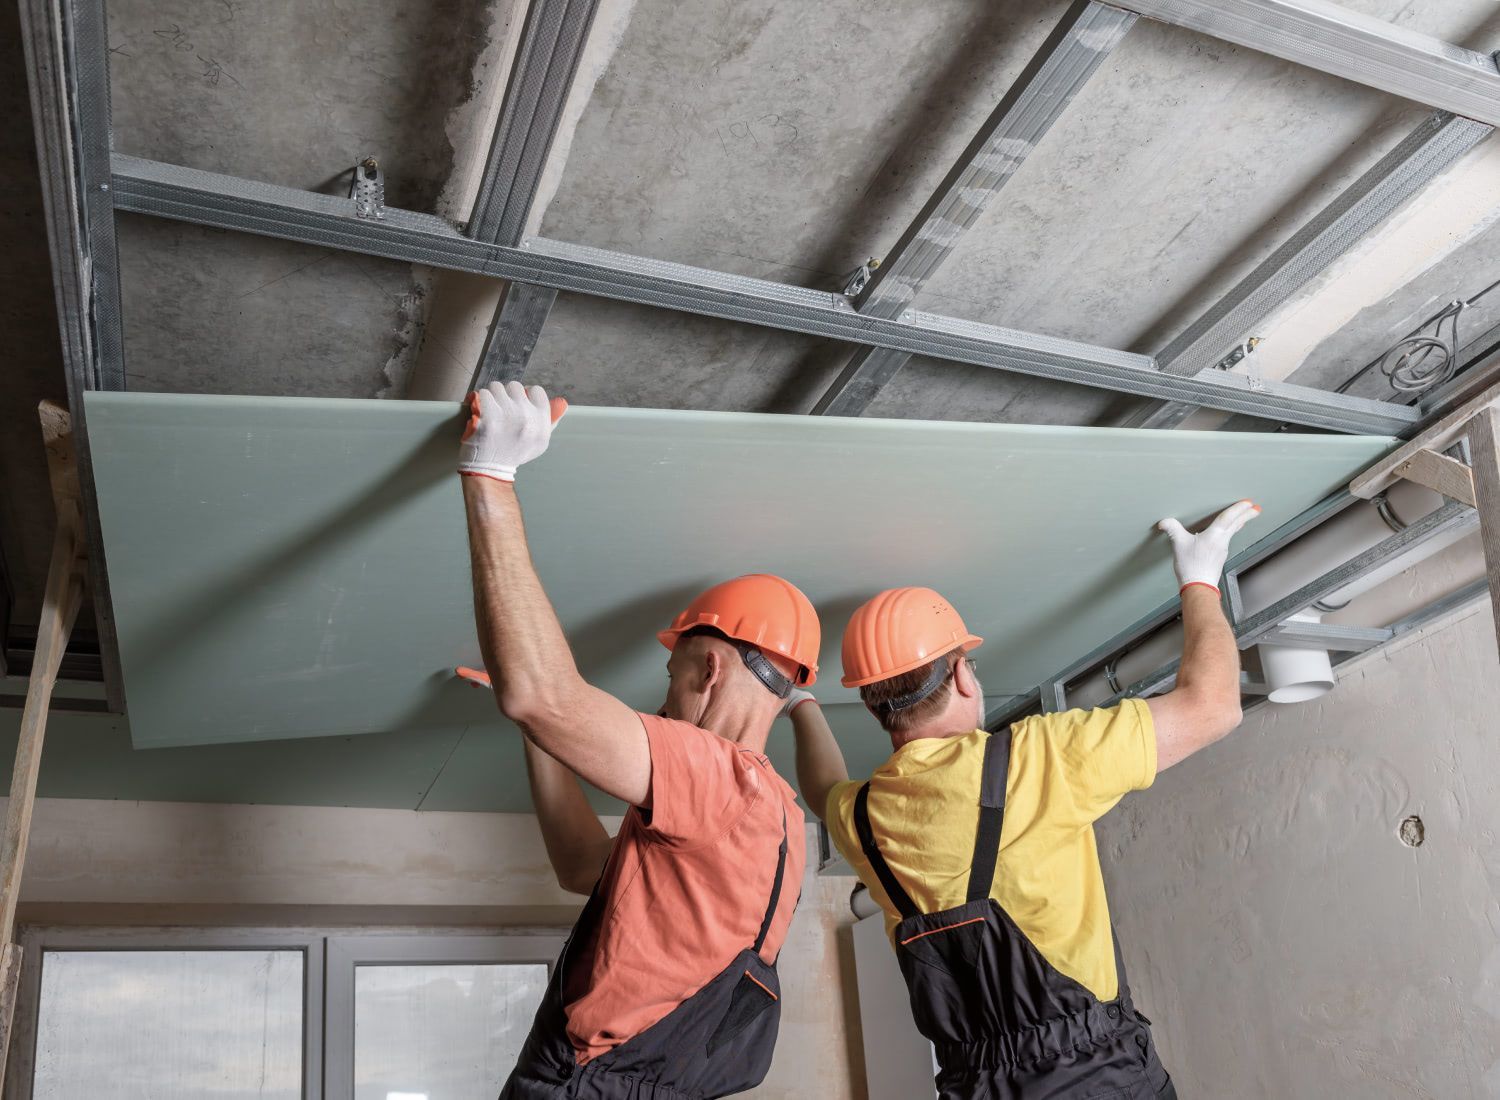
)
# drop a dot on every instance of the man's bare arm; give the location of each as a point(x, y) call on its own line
point(1205, 704)
point(536, 681)
point(577, 843)
point(820, 761)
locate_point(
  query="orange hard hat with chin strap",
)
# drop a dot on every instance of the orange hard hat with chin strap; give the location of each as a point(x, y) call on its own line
point(899, 630)
point(761, 614)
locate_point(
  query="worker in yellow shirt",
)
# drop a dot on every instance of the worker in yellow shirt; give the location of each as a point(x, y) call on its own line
point(980, 847)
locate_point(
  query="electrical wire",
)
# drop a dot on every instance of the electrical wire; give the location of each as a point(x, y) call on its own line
point(1424, 357)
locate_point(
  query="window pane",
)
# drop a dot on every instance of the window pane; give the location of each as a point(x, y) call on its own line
point(170, 1025)
point(442, 1032)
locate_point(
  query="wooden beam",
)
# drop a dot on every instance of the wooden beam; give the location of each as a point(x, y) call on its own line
point(60, 603)
point(1484, 446)
point(1439, 437)
point(1441, 474)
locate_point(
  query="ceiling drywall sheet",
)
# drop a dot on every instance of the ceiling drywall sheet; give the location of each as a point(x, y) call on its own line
point(209, 311)
point(479, 767)
point(90, 756)
point(296, 94)
point(289, 567)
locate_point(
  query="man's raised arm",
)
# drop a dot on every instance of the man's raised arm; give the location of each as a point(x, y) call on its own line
point(1205, 703)
point(537, 684)
point(820, 761)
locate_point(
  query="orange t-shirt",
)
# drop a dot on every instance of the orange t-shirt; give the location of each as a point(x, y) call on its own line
point(686, 886)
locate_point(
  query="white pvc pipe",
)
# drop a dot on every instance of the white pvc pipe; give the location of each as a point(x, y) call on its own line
point(1351, 532)
point(1295, 674)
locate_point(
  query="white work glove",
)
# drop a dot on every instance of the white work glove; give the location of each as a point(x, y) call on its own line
point(509, 425)
point(793, 701)
point(1200, 558)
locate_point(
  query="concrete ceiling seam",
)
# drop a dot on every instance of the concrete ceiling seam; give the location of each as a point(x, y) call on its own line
point(226, 202)
point(1428, 151)
point(1085, 36)
point(552, 42)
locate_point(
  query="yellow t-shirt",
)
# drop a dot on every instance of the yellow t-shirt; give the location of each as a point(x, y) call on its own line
point(1066, 771)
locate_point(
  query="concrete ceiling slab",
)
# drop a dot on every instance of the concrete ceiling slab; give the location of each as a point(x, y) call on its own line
point(599, 352)
point(213, 312)
point(786, 141)
point(1177, 169)
point(1460, 275)
point(296, 94)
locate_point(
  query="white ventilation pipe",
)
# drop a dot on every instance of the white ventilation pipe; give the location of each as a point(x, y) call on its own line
point(1294, 674)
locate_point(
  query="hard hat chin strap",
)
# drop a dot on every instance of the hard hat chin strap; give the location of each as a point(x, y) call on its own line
point(775, 680)
point(941, 670)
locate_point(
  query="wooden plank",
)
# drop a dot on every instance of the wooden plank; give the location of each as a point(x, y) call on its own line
point(1439, 437)
point(10, 984)
point(60, 603)
point(1484, 446)
point(1441, 474)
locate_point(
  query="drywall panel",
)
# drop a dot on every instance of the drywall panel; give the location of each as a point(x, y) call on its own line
point(293, 567)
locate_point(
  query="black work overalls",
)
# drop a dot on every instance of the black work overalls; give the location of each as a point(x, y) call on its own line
point(1004, 1022)
point(716, 1043)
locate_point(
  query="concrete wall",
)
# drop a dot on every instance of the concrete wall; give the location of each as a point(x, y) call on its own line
point(1284, 938)
point(154, 863)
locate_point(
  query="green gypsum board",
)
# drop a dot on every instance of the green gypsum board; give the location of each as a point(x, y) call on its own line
point(295, 567)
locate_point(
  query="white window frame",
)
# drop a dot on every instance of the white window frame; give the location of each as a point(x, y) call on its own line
point(329, 957)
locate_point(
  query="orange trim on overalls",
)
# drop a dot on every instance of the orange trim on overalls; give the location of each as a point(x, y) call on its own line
point(944, 928)
point(762, 984)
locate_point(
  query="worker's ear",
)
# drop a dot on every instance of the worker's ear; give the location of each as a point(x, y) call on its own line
point(965, 680)
point(713, 667)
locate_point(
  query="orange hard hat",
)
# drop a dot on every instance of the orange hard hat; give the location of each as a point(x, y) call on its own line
point(899, 630)
point(762, 610)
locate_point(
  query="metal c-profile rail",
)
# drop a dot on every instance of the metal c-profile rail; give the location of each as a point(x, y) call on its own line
point(552, 43)
point(1083, 38)
point(1348, 44)
point(227, 202)
point(1428, 151)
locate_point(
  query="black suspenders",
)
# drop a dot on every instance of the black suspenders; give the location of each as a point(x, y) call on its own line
point(765, 924)
point(986, 836)
point(991, 815)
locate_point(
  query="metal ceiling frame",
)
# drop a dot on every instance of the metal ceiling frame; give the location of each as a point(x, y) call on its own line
point(227, 202)
point(1428, 151)
point(553, 38)
point(1075, 49)
point(70, 116)
point(67, 59)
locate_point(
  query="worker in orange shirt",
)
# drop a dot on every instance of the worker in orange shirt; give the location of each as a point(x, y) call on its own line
point(667, 986)
point(980, 846)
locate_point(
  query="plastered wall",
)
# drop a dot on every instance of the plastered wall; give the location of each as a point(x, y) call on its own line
point(1276, 927)
point(153, 863)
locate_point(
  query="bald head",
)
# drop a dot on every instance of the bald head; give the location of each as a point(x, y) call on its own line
point(709, 685)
